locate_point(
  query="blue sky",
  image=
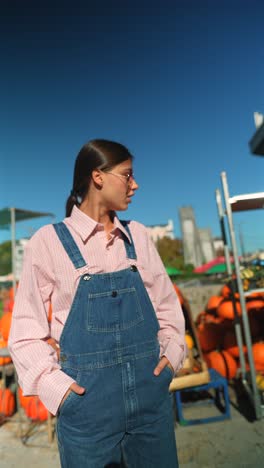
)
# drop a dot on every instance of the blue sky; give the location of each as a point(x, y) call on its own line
point(176, 81)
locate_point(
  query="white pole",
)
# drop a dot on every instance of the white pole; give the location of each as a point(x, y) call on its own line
point(13, 246)
point(237, 325)
point(255, 391)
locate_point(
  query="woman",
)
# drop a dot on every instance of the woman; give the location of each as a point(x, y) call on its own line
point(116, 320)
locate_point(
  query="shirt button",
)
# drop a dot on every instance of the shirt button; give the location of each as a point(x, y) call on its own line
point(133, 268)
point(63, 358)
point(114, 293)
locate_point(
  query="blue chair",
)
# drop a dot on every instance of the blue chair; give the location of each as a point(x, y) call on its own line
point(219, 385)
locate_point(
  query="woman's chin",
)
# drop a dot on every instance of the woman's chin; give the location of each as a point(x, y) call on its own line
point(122, 207)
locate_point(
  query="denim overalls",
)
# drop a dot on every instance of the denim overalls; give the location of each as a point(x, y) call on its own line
point(109, 346)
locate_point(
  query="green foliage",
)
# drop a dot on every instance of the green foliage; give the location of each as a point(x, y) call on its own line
point(5, 258)
point(188, 268)
point(170, 251)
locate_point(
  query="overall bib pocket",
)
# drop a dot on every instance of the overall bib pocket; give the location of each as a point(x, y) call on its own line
point(108, 311)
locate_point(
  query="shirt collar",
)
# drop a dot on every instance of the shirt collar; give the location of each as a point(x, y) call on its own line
point(121, 228)
point(85, 226)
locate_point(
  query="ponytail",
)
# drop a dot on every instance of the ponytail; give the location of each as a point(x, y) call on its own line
point(71, 201)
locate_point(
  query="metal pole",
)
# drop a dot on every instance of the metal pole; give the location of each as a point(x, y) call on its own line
point(242, 244)
point(13, 246)
point(256, 396)
point(232, 284)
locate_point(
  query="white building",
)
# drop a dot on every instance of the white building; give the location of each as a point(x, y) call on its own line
point(207, 244)
point(158, 231)
point(218, 245)
point(19, 254)
point(192, 248)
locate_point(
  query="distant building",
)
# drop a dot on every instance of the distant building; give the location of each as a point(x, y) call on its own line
point(19, 254)
point(192, 247)
point(207, 244)
point(218, 246)
point(158, 231)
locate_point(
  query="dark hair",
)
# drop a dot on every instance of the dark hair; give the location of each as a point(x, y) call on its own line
point(96, 154)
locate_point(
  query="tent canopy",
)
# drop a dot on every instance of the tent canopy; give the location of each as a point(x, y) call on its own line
point(216, 261)
point(173, 271)
point(20, 215)
point(251, 201)
point(219, 268)
point(256, 143)
point(8, 219)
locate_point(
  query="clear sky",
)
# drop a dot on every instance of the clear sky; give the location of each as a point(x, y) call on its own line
point(176, 81)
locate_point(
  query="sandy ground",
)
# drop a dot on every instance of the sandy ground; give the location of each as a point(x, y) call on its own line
point(237, 442)
point(231, 443)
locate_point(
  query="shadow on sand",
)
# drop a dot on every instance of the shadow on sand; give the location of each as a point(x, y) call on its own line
point(240, 400)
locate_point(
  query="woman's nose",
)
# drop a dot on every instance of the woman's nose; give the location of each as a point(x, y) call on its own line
point(134, 185)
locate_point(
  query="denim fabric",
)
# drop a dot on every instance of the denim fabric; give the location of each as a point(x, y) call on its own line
point(109, 346)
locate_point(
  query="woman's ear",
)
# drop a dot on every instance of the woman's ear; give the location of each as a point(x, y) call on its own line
point(97, 178)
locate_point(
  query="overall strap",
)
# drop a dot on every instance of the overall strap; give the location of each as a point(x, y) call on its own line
point(69, 245)
point(130, 248)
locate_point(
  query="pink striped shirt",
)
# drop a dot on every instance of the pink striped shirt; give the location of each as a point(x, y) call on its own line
point(49, 276)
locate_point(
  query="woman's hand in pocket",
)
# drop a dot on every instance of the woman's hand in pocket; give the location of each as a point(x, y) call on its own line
point(73, 388)
point(164, 362)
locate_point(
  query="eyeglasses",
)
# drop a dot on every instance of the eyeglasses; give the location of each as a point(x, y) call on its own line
point(129, 176)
